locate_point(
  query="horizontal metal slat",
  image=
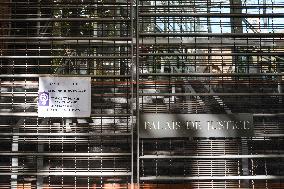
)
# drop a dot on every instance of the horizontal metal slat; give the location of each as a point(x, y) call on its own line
point(174, 178)
point(258, 156)
point(67, 173)
point(209, 15)
point(63, 154)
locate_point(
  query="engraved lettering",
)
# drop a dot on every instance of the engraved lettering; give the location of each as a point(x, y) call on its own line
point(151, 125)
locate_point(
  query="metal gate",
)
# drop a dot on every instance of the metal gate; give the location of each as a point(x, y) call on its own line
point(212, 57)
point(87, 38)
point(159, 56)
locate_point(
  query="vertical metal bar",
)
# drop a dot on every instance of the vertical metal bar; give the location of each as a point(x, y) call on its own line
point(15, 159)
point(15, 163)
point(40, 146)
point(265, 19)
point(15, 139)
point(132, 79)
point(137, 92)
point(245, 162)
point(39, 179)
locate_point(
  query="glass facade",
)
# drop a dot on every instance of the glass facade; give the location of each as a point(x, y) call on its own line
point(143, 57)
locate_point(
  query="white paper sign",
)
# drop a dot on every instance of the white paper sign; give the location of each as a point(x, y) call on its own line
point(64, 97)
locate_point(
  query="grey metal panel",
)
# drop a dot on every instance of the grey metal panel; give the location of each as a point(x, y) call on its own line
point(195, 125)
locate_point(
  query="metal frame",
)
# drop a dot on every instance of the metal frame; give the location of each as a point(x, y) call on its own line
point(135, 52)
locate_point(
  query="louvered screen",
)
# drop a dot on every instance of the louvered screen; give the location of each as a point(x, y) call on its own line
point(177, 57)
point(80, 38)
point(212, 57)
